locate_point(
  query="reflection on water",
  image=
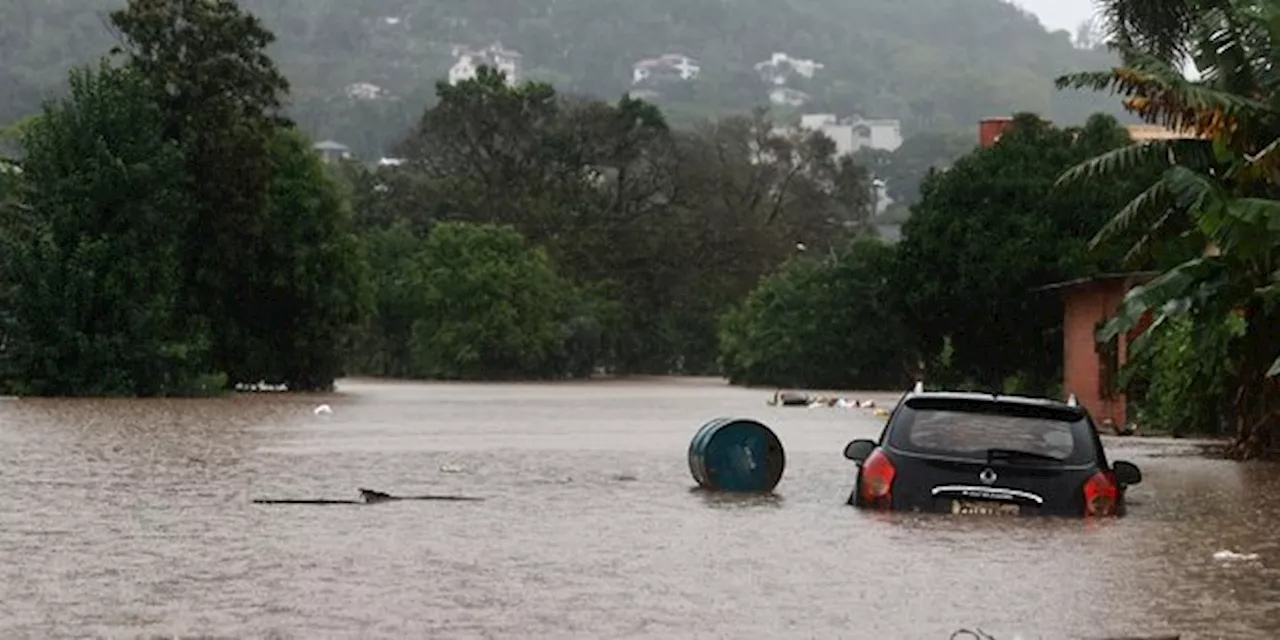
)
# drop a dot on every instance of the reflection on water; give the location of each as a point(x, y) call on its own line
point(718, 500)
point(133, 519)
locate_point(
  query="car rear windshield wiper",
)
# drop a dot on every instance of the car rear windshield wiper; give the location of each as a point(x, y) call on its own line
point(1009, 454)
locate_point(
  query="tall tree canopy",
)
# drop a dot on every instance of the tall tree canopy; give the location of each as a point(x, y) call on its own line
point(1216, 197)
point(91, 264)
point(988, 231)
point(173, 234)
point(662, 229)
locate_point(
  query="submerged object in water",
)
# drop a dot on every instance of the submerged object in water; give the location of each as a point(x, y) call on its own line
point(738, 455)
point(369, 496)
point(789, 399)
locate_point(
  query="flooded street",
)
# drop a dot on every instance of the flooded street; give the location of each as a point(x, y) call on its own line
point(133, 519)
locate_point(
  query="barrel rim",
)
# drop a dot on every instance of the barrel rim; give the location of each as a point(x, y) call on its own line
point(706, 434)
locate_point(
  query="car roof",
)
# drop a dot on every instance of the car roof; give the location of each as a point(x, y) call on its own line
point(995, 399)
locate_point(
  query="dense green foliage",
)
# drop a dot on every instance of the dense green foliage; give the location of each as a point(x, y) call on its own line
point(307, 285)
point(492, 306)
point(1216, 189)
point(468, 301)
point(92, 269)
point(166, 231)
point(1182, 376)
point(934, 64)
point(825, 323)
point(659, 231)
point(171, 234)
point(990, 230)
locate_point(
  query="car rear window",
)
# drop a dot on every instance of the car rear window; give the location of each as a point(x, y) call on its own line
point(970, 429)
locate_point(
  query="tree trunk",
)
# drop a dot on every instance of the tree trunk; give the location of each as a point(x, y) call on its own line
point(1256, 410)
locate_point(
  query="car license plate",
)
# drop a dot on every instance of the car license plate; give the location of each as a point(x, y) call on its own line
point(982, 508)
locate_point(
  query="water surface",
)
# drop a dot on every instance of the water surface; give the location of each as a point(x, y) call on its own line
point(133, 519)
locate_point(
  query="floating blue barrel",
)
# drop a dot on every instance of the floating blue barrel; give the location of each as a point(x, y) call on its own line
point(736, 454)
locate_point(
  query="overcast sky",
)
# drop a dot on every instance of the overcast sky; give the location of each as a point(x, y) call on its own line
point(1059, 14)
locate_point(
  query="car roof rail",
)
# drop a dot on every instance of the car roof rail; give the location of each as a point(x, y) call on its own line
point(1072, 401)
point(919, 388)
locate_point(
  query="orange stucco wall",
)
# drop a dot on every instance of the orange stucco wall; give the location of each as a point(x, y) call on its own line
point(990, 130)
point(1085, 306)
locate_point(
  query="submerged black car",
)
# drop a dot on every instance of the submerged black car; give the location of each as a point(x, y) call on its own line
point(989, 454)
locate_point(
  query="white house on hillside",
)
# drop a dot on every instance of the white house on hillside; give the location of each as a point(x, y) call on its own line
point(331, 151)
point(788, 96)
point(779, 67)
point(852, 134)
point(366, 91)
point(467, 62)
point(672, 66)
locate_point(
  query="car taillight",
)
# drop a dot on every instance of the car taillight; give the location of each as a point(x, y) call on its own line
point(1100, 495)
point(877, 480)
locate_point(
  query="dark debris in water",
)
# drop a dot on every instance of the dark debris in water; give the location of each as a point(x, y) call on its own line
point(979, 634)
point(368, 496)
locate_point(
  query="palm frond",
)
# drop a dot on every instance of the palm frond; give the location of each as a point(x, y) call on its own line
point(1228, 44)
point(1157, 153)
point(1263, 166)
point(1162, 27)
point(1160, 94)
point(1177, 284)
point(1243, 226)
point(1156, 199)
point(1113, 163)
point(1256, 211)
point(1191, 190)
point(1141, 248)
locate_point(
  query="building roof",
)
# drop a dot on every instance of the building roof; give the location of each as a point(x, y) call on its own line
point(1149, 132)
point(665, 60)
point(1142, 276)
point(330, 145)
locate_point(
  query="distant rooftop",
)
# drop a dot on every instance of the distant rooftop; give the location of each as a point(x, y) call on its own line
point(1135, 276)
point(330, 145)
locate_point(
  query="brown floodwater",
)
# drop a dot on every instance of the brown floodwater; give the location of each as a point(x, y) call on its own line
point(134, 519)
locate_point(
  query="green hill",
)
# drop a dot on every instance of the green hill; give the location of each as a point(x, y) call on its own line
point(933, 64)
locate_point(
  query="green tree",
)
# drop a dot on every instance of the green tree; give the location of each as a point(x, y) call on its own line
point(492, 306)
point(381, 345)
point(310, 279)
point(496, 148)
point(1182, 378)
point(90, 266)
point(1216, 192)
point(666, 228)
point(988, 231)
point(820, 324)
point(746, 198)
point(220, 95)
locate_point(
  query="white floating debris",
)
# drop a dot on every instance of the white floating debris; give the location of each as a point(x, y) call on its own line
point(450, 468)
point(1227, 555)
point(323, 409)
point(365, 91)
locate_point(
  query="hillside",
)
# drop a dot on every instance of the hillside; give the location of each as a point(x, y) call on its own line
point(933, 64)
